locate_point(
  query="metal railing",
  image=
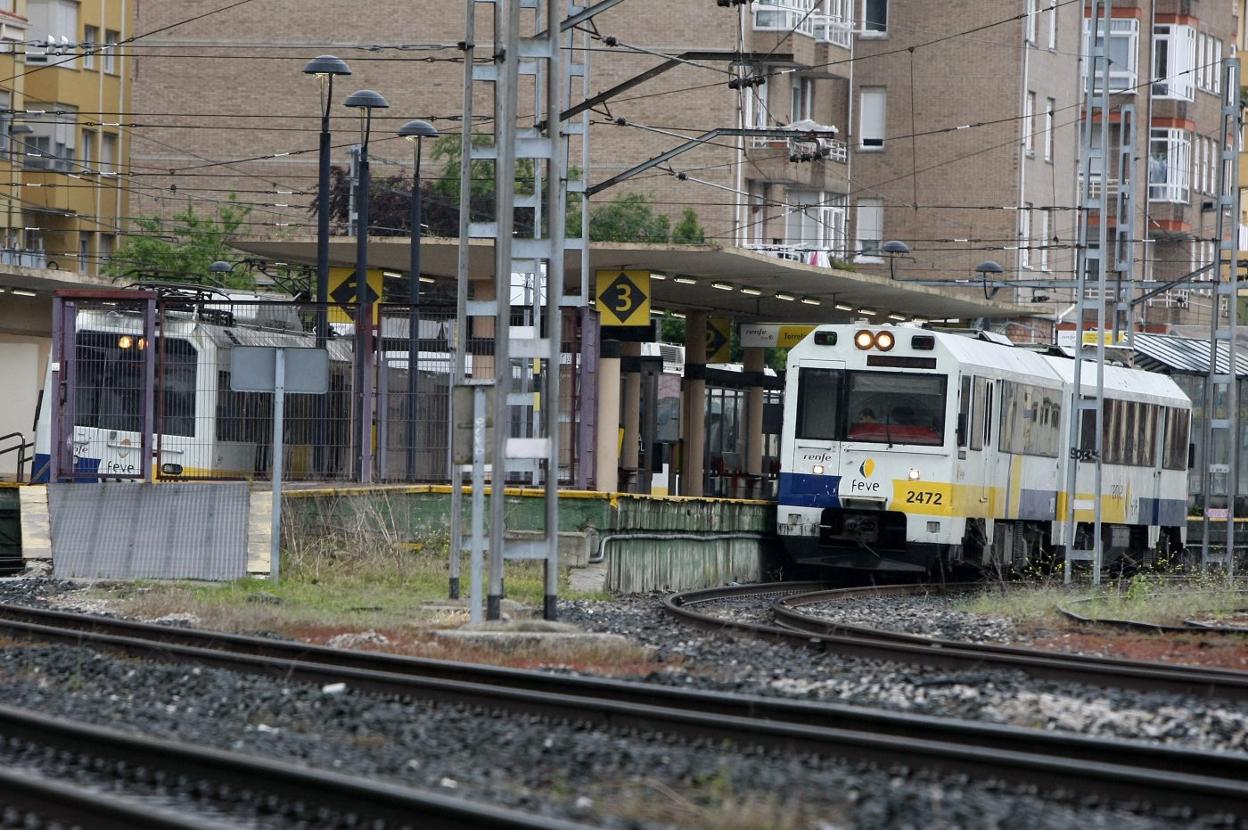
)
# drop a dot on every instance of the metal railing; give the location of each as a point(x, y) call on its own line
point(785, 16)
point(835, 29)
point(815, 149)
point(20, 448)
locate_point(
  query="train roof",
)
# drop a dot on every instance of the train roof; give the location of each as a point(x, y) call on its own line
point(1138, 383)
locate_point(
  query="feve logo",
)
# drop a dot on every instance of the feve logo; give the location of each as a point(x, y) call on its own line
point(867, 467)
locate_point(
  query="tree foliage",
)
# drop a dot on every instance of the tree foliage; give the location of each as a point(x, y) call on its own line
point(181, 248)
point(627, 218)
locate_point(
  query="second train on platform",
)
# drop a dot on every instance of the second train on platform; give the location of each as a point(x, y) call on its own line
point(906, 449)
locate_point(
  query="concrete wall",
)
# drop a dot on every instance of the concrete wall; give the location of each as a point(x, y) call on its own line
point(22, 360)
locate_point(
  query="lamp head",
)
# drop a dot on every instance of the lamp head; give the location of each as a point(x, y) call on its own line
point(366, 99)
point(220, 267)
point(989, 267)
point(895, 246)
point(326, 66)
point(417, 129)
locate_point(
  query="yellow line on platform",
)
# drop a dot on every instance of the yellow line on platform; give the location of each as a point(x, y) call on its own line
point(523, 492)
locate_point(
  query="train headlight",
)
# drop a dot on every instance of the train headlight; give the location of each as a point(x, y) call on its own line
point(884, 341)
point(125, 341)
point(864, 339)
point(817, 469)
point(913, 475)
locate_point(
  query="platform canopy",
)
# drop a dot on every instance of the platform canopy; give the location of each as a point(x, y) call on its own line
point(732, 268)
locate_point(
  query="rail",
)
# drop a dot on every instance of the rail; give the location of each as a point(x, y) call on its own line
point(804, 630)
point(20, 448)
point(1123, 769)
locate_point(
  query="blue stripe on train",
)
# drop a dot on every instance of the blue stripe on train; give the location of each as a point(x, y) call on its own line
point(803, 490)
point(85, 469)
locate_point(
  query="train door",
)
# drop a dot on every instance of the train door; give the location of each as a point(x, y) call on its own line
point(816, 447)
point(976, 468)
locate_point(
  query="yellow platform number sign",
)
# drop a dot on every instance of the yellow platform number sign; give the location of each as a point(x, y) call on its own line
point(718, 340)
point(624, 297)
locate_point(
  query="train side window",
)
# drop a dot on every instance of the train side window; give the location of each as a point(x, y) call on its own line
point(178, 380)
point(818, 403)
point(1148, 435)
point(1174, 455)
point(964, 410)
point(988, 413)
point(978, 408)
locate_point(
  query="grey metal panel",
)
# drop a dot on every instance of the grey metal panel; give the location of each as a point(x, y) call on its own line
point(124, 530)
point(252, 369)
point(1170, 353)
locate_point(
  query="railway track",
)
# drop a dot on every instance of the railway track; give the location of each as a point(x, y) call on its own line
point(793, 626)
point(222, 782)
point(1074, 763)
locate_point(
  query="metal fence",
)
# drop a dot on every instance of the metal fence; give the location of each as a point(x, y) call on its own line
point(204, 430)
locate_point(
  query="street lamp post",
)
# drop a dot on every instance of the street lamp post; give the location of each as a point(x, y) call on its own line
point(325, 68)
point(415, 132)
point(894, 248)
point(366, 100)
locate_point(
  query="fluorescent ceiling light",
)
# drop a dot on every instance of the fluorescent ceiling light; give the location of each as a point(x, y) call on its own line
point(22, 292)
point(867, 312)
point(753, 292)
point(843, 307)
point(659, 277)
point(429, 280)
point(810, 301)
point(723, 286)
point(898, 317)
point(788, 298)
point(686, 281)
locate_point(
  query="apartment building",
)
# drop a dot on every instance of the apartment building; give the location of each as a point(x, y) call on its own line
point(67, 137)
point(957, 125)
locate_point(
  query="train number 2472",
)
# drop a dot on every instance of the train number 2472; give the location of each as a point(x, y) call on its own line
point(924, 497)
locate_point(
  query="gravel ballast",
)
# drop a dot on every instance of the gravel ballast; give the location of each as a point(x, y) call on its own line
point(738, 663)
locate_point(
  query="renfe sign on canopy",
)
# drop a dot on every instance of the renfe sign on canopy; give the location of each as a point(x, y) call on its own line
point(772, 335)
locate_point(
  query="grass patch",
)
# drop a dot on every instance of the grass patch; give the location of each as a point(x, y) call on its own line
point(1146, 598)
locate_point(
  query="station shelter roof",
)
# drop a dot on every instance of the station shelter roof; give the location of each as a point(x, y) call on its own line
point(732, 268)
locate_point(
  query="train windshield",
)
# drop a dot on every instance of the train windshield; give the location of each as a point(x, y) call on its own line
point(895, 408)
point(872, 407)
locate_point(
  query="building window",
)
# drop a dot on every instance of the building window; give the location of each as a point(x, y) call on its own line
point(106, 243)
point(1030, 21)
point(54, 21)
point(1050, 106)
point(815, 222)
point(873, 101)
point(1217, 68)
point(1029, 123)
point(6, 122)
point(110, 52)
point(1174, 59)
point(1053, 24)
point(51, 145)
point(870, 228)
point(1169, 165)
point(1044, 238)
point(84, 252)
point(90, 42)
point(1024, 235)
point(88, 150)
point(108, 153)
point(1122, 52)
point(803, 103)
point(874, 16)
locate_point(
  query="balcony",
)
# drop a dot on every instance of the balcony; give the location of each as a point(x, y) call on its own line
point(820, 256)
point(827, 31)
point(772, 160)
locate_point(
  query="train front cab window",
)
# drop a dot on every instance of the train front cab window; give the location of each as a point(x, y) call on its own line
point(871, 407)
point(110, 383)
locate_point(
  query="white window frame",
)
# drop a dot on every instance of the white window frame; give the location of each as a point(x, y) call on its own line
point(869, 230)
point(55, 21)
point(1024, 235)
point(110, 52)
point(802, 105)
point(1179, 44)
point(871, 129)
point(88, 150)
point(1122, 80)
point(1050, 108)
point(90, 43)
point(882, 31)
point(1045, 233)
point(1175, 187)
point(1053, 25)
point(1029, 123)
point(1216, 80)
point(815, 221)
point(1029, 23)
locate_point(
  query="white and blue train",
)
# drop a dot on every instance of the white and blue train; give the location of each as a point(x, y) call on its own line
point(906, 449)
